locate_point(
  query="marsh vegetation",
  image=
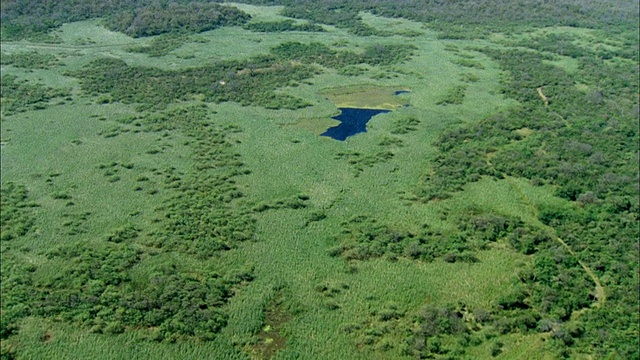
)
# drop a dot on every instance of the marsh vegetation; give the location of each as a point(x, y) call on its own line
point(165, 193)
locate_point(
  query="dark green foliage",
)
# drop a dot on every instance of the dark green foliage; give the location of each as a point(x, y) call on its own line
point(111, 286)
point(314, 53)
point(527, 240)
point(193, 17)
point(373, 331)
point(29, 60)
point(203, 217)
point(456, 20)
point(124, 233)
point(21, 95)
point(161, 45)
point(496, 348)
point(467, 20)
point(33, 20)
point(249, 82)
point(95, 290)
point(363, 238)
point(293, 202)
point(361, 29)
point(352, 70)
point(281, 26)
point(387, 54)
point(469, 78)
point(331, 289)
point(560, 44)
point(468, 63)
point(405, 125)
point(361, 161)
point(434, 321)
point(15, 211)
point(455, 96)
point(430, 325)
point(324, 55)
point(330, 13)
point(576, 145)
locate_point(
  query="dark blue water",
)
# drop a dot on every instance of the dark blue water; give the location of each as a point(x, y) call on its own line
point(400, 92)
point(352, 121)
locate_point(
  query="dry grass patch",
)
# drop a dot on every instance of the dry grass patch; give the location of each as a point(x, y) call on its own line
point(366, 97)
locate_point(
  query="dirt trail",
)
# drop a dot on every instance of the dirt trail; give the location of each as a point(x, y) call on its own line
point(601, 295)
point(544, 98)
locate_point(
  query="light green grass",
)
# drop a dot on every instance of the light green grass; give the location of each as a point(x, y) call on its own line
point(59, 150)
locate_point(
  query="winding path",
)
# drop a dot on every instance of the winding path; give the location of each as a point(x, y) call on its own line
point(601, 295)
point(543, 97)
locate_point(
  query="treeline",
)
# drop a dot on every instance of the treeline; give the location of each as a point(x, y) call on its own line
point(33, 20)
point(24, 19)
point(281, 26)
point(318, 53)
point(156, 19)
point(564, 44)
point(467, 19)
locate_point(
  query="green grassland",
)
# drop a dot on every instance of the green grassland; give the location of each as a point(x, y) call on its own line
point(247, 201)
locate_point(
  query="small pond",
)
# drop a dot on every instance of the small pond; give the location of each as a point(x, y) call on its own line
point(352, 121)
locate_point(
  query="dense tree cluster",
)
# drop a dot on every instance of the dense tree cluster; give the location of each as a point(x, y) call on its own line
point(249, 82)
point(317, 53)
point(466, 19)
point(28, 19)
point(95, 288)
point(161, 45)
point(283, 25)
point(552, 289)
point(193, 17)
point(32, 20)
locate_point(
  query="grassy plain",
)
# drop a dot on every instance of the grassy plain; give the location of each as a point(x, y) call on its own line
point(79, 158)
